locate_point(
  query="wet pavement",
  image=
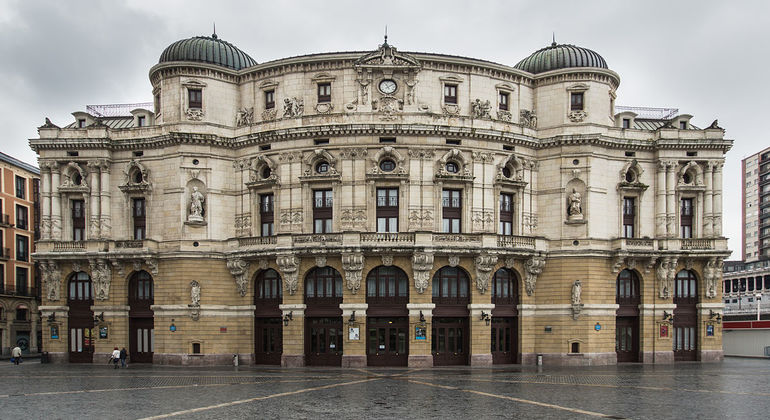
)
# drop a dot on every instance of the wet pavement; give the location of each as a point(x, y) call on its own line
point(736, 388)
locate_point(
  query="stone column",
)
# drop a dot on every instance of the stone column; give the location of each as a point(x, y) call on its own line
point(717, 198)
point(33, 331)
point(660, 200)
point(105, 224)
point(293, 335)
point(56, 228)
point(93, 183)
point(708, 216)
point(45, 208)
point(354, 351)
point(671, 207)
point(420, 355)
point(481, 334)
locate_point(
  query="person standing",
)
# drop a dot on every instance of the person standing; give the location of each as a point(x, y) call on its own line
point(123, 356)
point(16, 354)
point(115, 357)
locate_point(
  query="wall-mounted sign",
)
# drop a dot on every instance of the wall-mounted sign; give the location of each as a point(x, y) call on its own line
point(354, 334)
point(709, 330)
point(54, 332)
point(419, 333)
point(598, 327)
point(663, 331)
point(103, 332)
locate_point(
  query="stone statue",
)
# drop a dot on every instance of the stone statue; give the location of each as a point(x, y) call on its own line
point(195, 293)
point(196, 205)
point(575, 210)
point(576, 290)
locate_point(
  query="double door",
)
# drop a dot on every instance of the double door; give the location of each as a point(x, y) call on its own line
point(81, 340)
point(449, 341)
point(387, 341)
point(627, 339)
point(323, 341)
point(268, 340)
point(685, 337)
point(141, 340)
point(503, 345)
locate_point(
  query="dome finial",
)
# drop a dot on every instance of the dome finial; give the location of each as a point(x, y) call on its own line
point(553, 44)
point(214, 35)
point(386, 35)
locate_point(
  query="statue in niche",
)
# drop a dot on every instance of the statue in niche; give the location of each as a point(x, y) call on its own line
point(196, 205)
point(576, 290)
point(575, 209)
point(195, 293)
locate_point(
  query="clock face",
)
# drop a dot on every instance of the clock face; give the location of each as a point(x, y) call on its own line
point(387, 86)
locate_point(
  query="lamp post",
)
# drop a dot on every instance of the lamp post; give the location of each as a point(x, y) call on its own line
point(758, 298)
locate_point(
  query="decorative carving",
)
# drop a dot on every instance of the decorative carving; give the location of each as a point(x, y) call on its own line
point(269, 114)
point(353, 217)
point(101, 275)
point(577, 116)
point(289, 265)
point(152, 264)
point(353, 264)
point(117, 265)
point(528, 118)
point(238, 269)
point(196, 206)
point(530, 221)
point(510, 262)
point(324, 108)
point(711, 275)
point(665, 273)
point(575, 208)
point(353, 153)
point(195, 299)
point(388, 107)
point(504, 116)
point(137, 178)
point(194, 114)
point(481, 109)
point(533, 267)
point(293, 107)
point(387, 260)
point(482, 220)
point(420, 217)
point(618, 263)
point(484, 266)
point(451, 110)
point(422, 263)
point(51, 279)
point(245, 116)
point(291, 217)
point(420, 153)
point(74, 178)
point(320, 261)
point(454, 260)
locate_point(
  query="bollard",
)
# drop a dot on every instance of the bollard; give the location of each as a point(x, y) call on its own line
point(540, 360)
point(235, 360)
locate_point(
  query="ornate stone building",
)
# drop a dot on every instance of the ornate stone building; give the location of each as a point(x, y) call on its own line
point(382, 208)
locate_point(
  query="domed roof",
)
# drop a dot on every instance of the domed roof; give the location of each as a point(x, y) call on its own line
point(207, 49)
point(560, 56)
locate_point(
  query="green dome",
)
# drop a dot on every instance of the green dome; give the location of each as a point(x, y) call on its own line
point(211, 50)
point(560, 56)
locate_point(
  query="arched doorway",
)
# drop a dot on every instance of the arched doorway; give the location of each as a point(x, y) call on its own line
point(685, 338)
point(387, 322)
point(449, 333)
point(141, 324)
point(627, 296)
point(268, 327)
point(81, 318)
point(323, 317)
point(505, 321)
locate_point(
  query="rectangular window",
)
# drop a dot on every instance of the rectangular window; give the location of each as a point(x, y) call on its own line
point(21, 284)
point(503, 98)
point(685, 217)
point(78, 220)
point(141, 121)
point(194, 98)
point(81, 123)
point(156, 104)
point(139, 215)
point(322, 211)
point(576, 101)
point(22, 248)
point(626, 123)
point(324, 92)
point(21, 187)
point(450, 94)
point(451, 203)
point(266, 205)
point(387, 210)
point(22, 222)
point(506, 214)
point(629, 216)
point(269, 99)
point(683, 125)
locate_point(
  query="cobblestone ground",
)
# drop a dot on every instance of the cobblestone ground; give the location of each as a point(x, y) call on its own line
point(736, 388)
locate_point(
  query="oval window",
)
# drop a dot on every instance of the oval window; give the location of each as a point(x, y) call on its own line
point(452, 167)
point(387, 165)
point(687, 178)
point(77, 179)
point(266, 172)
point(322, 167)
point(137, 177)
point(630, 176)
point(506, 172)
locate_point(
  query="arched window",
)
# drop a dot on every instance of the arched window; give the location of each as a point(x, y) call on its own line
point(80, 288)
point(505, 287)
point(450, 286)
point(323, 283)
point(268, 285)
point(140, 288)
point(387, 284)
point(685, 287)
point(627, 288)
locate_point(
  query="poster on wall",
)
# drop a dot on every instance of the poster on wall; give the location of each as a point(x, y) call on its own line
point(54, 332)
point(709, 330)
point(354, 334)
point(664, 331)
point(419, 333)
point(103, 332)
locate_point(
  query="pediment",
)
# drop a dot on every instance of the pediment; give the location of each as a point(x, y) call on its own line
point(387, 56)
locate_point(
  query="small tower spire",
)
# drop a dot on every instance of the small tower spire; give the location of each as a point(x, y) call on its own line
point(214, 35)
point(386, 35)
point(553, 44)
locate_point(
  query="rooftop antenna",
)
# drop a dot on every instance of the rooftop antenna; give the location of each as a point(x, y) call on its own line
point(214, 35)
point(386, 34)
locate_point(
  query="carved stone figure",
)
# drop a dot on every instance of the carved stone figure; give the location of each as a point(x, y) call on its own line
point(711, 275)
point(52, 280)
point(293, 107)
point(245, 116)
point(481, 109)
point(422, 263)
point(577, 289)
point(533, 267)
point(101, 276)
point(289, 264)
point(353, 264)
point(484, 266)
point(528, 118)
point(575, 209)
point(195, 293)
point(577, 116)
point(238, 269)
point(196, 205)
point(194, 114)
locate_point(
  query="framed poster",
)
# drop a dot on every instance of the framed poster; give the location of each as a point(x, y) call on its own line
point(54, 332)
point(419, 333)
point(663, 331)
point(354, 334)
point(709, 330)
point(103, 332)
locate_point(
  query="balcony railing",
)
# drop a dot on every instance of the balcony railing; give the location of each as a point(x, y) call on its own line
point(5, 220)
point(318, 238)
point(69, 246)
point(257, 240)
point(11, 290)
point(5, 253)
point(511, 241)
point(457, 237)
point(388, 238)
point(138, 243)
point(697, 244)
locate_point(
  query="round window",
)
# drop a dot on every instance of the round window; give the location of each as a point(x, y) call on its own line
point(452, 167)
point(266, 172)
point(507, 172)
point(630, 176)
point(387, 165)
point(322, 167)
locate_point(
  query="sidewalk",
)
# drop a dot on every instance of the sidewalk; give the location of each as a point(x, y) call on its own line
point(23, 356)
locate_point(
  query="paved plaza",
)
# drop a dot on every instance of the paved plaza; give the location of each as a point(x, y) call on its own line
point(736, 388)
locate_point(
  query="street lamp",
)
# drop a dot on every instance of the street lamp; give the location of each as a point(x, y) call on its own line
point(286, 318)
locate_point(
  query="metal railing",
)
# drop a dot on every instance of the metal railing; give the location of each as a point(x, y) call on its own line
point(649, 113)
point(116, 110)
point(5, 253)
point(12, 290)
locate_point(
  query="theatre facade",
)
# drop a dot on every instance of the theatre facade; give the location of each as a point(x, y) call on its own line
point(381, 208)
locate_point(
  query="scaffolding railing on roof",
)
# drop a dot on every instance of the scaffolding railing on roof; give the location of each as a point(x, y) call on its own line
point(649, 113)
point(116, 110)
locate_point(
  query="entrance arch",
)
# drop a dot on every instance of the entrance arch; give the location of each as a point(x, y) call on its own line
point(685, 338)
point(627, 296)
point(80, 298)
point(387, 322)
point(449, 333)
point(323, 317)
point(505, 320)
point(141, 321)
point(268, 327)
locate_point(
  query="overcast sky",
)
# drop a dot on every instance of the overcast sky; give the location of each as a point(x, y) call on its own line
point(707, 58)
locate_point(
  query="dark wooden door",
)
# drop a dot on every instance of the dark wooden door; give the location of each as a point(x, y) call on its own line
point(685, 337)
point(323, 341)
point(268, 340)
point(387, 341)
point(504, 346)
point(627, 339)
point(449, 341)
point(81, 340)
point(141, 339)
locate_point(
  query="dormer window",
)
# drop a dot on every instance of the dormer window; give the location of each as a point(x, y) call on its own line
point(141, 121)
point(195, 98)
point(324, 92)
point(683, 125)
point(503, 99)
point(81, 123)
point(626, 122)
point(576, 101)
point(270, 99)
point(450, 94)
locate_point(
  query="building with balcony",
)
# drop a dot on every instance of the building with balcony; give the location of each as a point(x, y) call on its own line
point(756, 206)
point(19, 281)
point(381, 208)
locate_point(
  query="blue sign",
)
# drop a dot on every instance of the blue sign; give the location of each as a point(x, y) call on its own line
point(172, 328)
point(598, 326)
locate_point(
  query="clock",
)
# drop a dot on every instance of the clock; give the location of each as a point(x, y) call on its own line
point(387, 86)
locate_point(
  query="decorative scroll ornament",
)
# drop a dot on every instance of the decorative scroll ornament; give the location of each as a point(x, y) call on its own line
point(289, 265)
point(484, 266)
point(353, 264)
point(577, 116)
point(194, 114)
point(422, 263)
point(101, 276)
point(52, 280)
point(533, 267)
point(238, 269)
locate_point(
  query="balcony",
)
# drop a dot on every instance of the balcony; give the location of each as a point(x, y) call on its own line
point(388, 238)
point(257, 241)
point(69, 246)
point(11, 290)
point(697, 244)
point(633, 244)
point(5, 220)
point(512, 241)
point(5, 253)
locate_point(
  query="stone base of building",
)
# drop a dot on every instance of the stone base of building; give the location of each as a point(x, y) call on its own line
point(712, 355)
point(658, 357)
point(100, 358)
point(571, 359)
point(292, 360)
point(353, 361)
point(190, 359)
point(481, 359)
point(246, 359)
point(58, 357)
point(420, 361)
